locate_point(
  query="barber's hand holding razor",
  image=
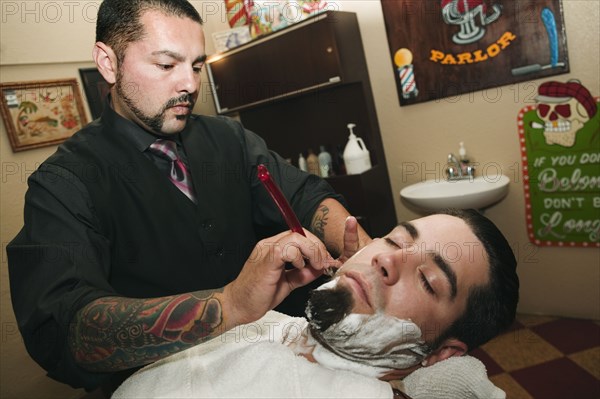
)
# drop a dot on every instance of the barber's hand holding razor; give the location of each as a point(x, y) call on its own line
point(264, 281)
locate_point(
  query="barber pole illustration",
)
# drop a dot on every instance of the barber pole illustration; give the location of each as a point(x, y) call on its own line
point(238, 12)
point(403, 60)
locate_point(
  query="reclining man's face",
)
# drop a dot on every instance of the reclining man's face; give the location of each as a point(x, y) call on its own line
point(393, 298)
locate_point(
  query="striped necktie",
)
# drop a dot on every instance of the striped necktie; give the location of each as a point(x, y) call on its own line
point(180, 176)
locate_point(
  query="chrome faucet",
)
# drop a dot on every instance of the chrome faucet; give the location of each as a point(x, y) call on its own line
point(458, 170)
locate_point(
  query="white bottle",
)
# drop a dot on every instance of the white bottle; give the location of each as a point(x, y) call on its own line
point(356, 155)
point(325, 163)
point(464, 160)
point(302, 163)
point(462, 152)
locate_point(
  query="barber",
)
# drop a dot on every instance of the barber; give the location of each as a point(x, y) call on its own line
point(145, 232)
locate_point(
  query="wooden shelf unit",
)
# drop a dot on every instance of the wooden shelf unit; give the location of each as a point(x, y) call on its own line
point(298, 88)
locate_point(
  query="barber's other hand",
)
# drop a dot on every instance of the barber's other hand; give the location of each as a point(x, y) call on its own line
point(264, 281)
point(352, 241)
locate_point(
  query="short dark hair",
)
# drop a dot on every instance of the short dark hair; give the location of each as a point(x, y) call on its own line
point(118, 22)
point(491, 308)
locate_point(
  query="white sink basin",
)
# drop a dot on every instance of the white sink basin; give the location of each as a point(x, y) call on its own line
point(478, 193)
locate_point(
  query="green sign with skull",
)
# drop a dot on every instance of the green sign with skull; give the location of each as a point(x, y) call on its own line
point(560, 144)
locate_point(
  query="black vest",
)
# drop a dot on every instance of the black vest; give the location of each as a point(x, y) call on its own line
point(160, 242)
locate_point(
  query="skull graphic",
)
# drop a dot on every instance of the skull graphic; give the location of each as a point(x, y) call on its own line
point(564, 109)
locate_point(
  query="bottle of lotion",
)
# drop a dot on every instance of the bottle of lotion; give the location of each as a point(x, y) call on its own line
point(325, 163)
point(356, 155)
point(312, 162)
point(302, 163)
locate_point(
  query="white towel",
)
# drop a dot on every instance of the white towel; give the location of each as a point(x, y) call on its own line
point(250, 362)
point(463, 377)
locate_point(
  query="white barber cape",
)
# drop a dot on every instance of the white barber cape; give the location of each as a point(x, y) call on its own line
point(250, 362)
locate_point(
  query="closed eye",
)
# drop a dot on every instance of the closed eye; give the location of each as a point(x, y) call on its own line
point(164, 67)
point(392, 243)
point(426, 284)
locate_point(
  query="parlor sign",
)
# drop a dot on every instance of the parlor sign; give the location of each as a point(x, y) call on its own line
point(444, 48)
point(560, 146)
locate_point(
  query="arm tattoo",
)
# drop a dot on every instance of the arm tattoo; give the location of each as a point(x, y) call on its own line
point(320, 221)
point(116, 333)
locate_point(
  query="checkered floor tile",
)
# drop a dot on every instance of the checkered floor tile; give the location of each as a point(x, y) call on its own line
point(545, 358)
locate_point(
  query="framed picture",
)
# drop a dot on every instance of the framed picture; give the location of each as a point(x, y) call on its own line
point(448, 48)
point(96, 89)
point(41, 113)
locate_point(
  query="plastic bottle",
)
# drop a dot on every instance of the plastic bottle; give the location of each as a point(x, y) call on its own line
point(462, 154)
point(356, 155)
point(325, 163)
point(302, 163)
point(312, 161)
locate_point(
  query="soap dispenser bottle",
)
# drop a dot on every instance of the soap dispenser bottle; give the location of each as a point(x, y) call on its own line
point(356, 155)
point(464, 160)
point(466, 166)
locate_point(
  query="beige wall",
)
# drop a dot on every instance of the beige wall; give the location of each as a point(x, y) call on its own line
point(47, 42)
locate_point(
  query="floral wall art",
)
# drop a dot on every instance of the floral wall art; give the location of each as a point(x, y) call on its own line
point(41, 113)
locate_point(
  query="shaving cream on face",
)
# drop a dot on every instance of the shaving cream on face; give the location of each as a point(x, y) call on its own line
point(368, 344)
point(371, 345)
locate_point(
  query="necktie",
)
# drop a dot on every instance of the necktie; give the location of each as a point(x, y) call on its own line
point(180, 176)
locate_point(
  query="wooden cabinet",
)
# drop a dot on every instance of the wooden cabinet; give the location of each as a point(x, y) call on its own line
point(298, 88)
point(278, 65)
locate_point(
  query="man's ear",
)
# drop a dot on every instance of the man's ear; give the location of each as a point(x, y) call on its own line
point(449, 348)
point(106, 61)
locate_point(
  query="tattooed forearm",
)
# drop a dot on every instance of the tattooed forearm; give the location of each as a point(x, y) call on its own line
point(115, 333)
point(319, 221)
